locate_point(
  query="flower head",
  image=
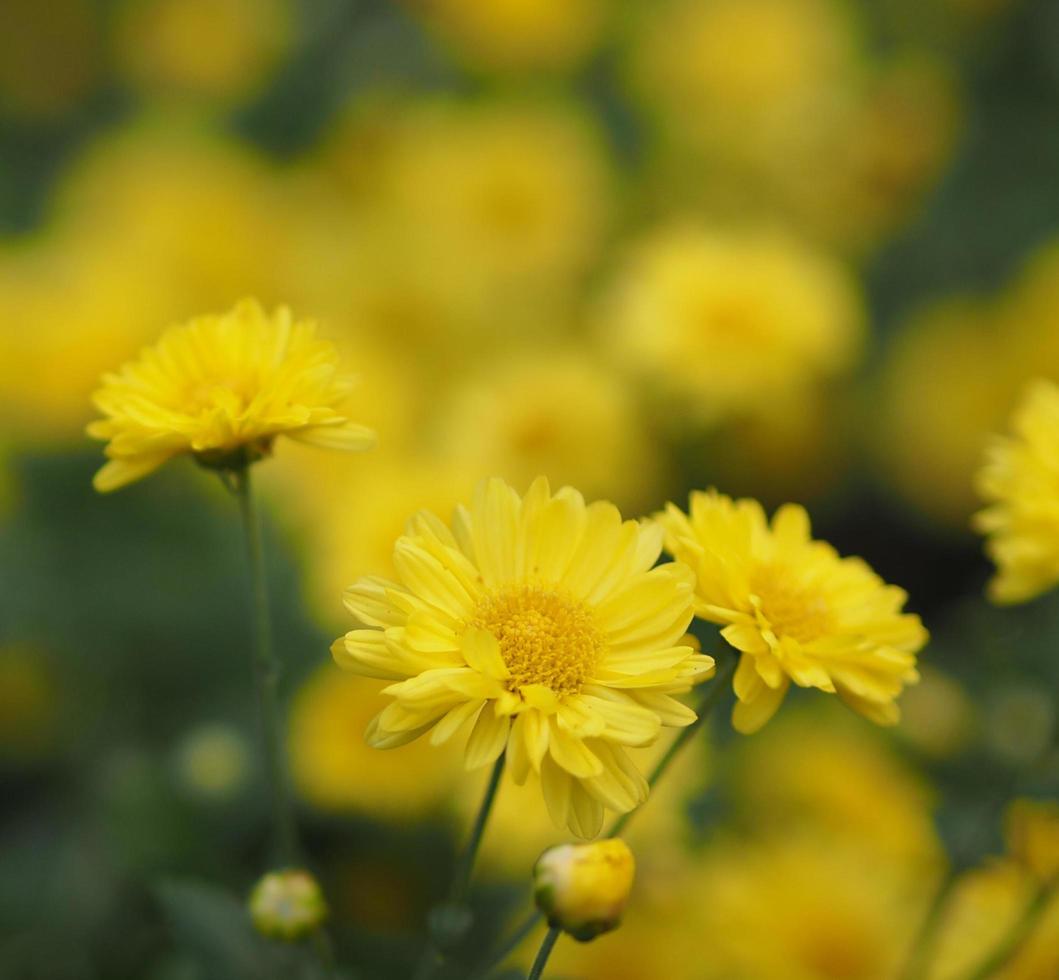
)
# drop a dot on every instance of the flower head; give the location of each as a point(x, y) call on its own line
point(1021, 481)
point(584, 888)
point(1032, 830)
point(222, 387)
point(287, 905)
point(720, 320)
point(538, 626)
point(794, 608)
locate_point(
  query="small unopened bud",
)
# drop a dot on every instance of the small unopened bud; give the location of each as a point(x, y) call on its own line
point(287, 905)
point(1032, 831)
point(583, 888)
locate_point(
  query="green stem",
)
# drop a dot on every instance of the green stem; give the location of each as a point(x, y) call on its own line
point(461, 880)
point(919, 956)
point(266, 672)
point(545, 951)
point(717, 689)
point(1019, 933)
point(433, 956)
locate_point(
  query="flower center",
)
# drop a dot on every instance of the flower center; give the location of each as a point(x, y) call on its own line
point(791, 608)
point(545, 637)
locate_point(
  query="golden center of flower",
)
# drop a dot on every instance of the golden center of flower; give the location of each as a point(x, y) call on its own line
point(791, 608)
point(545, 636)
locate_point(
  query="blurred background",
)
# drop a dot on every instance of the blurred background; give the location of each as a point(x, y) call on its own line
point(797, 249)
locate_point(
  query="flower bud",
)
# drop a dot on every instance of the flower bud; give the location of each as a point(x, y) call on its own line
point(287, 905)
point(1032, 831)
point(583, 888)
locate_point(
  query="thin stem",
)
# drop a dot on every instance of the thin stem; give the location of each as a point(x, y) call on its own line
point(461, 880)
point(713, 695)
point(545, 951)
point(432, 956)
point(508, 946)
point(1020, 932)
point(266, 671)
point(919, 956)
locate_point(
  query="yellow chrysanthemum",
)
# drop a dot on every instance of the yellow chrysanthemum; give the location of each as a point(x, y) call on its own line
point(1021, 482)
point(795, 609)
point(722, 320)
point(539, 626)
point(219, 385)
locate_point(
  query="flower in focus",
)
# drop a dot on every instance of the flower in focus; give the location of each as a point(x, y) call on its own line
point(517, 35)
point(794, 608)
point(222, 385)
point(333, 770)
point(287, 905)
point(583, 888)
point(1033, 836)
point(1020, 480)
point(724, 320)
point(557, 412)
point(538, 625)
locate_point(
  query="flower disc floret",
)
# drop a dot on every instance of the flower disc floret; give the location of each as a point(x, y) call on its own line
point(535, 625)
point(221, 388)
point(794, 608)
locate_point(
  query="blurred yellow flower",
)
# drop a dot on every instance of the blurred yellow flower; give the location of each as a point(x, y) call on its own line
point(1032, 830)
point(1020, 481)
point(516, 35)
point(221, 385)
point(213, 761)
point(794, 608)
point(335, 770)
point(539, 626)
point(210, 49)
point(499, 196)
point(557, 412)
point(937, 715)
point(743, 75)
point(725, 320)
point(985, 907)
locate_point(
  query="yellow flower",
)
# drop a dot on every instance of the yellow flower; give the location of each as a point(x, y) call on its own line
point(843, 780)
point(794, 608)
point(724, 320)
point(538, 625)
point(583, 888)
point(223, 385)
point(213, 49)
point(333, 770)
point(517, 35)
point(1032, 830)
point(1021, 482)
point(555, 411)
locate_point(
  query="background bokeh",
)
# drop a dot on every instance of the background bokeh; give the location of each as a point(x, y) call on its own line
point(798, 249)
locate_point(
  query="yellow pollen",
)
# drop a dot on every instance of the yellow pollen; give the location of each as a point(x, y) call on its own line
point(545, 637)
point(790, 608)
